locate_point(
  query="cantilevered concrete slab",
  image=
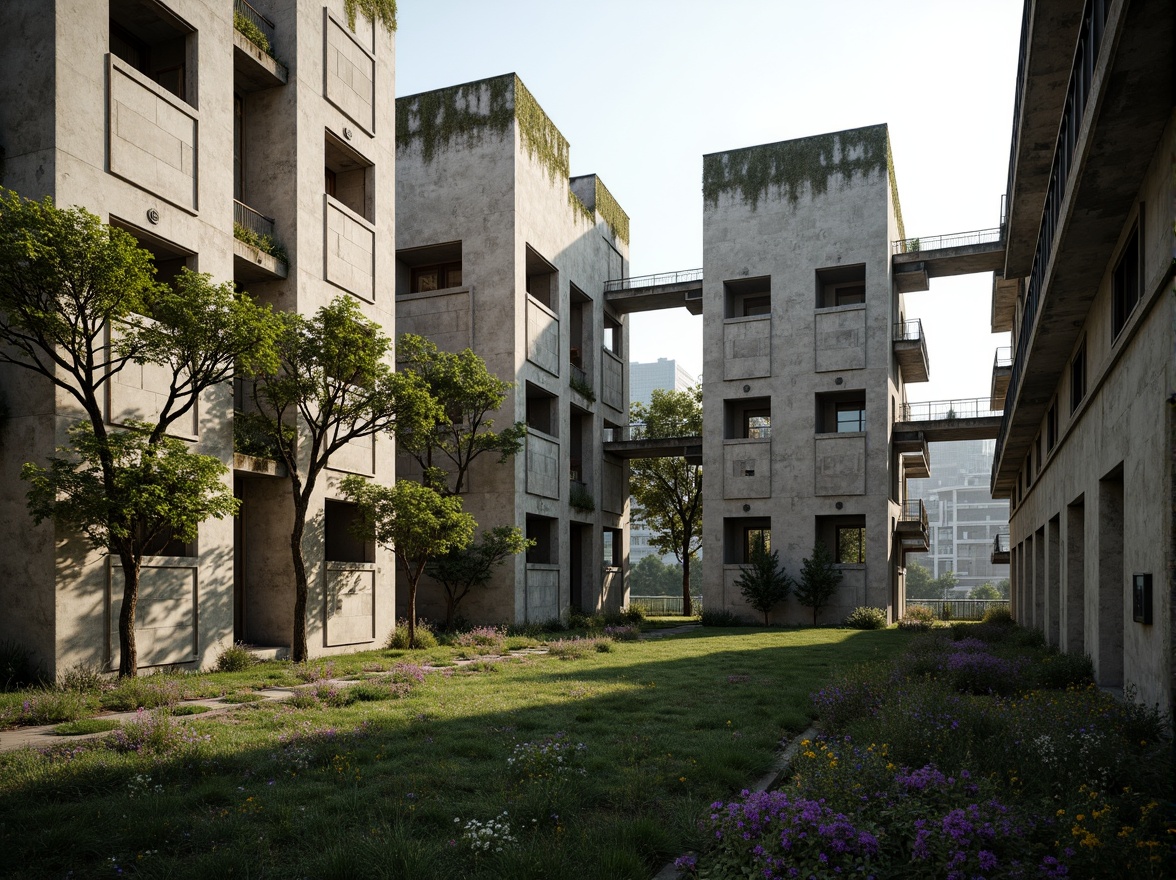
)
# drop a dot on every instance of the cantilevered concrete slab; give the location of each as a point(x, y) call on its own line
point(964, 259)
point(689, 448)
point(647, 293)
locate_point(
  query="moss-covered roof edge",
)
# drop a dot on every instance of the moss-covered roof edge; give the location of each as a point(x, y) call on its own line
point(611, 212)
point(790, 166)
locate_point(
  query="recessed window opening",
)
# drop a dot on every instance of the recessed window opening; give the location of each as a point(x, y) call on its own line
point(748, 297)
point(542, 412)
point(169, 258)
point(841, 412)
point(579, 326)
point(542, 280)
point(348, 177)
point(613, 334)
point(740, 535)
point(340, 520)
point(614, 555)
point(167, 544)
point(850, 544)
point(542, 530)
point(1125, 285)
point(749, 419)
point(841, 286)
point(1051, 427)
point(429, 268)
point(1078, 377)
point(155, 42)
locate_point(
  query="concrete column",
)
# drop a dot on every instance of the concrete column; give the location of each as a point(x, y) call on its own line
point(1074, 552)
point(1108, 662)
point(1053, 594)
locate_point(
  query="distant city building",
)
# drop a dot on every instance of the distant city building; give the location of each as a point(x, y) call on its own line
point(963, 516)
point(666, 374)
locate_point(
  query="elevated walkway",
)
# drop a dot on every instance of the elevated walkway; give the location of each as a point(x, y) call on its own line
point(647, 293)
point(917, 260)
point(939, 420)
point(628, 443)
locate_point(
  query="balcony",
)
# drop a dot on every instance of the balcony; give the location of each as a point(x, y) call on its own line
point(1000, 549)
point(578, 379)
point(257, 255)
point(628, 442)
point(910, 350)
point(916, 260)
point(911, 531)
point(254, 65)
point(1002, 370)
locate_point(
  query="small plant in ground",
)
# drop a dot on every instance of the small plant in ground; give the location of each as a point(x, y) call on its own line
point(180, 711)
point(149, 733)
point(147, 692)
point(81, 677)
point(819, 579)
point(574, 649)
point(313, 672)
point(553, 757)
point(866, 617)
point(235, 658)
point(47, 706)
point(719, 617)
point(140, 786)
point(634, 614)
point(622, 633)
point(762, 582)
point(17, 669)
point(493, 835)
point(486, 638)
point(919, 618)
point(1001, 614)
point(401, 640)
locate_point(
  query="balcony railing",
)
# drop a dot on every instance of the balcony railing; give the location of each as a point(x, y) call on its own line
point(951, 240)
point(1081, 78)
point(1004, 357)
point(1000, 544)
point(937, 410)
point(682, 277)
point(263, 24)
point(620, 433)
point(908, 331)
point(913, 510)
point(254, 221)
point(959, 609)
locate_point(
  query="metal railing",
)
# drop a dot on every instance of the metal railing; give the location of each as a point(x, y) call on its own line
point(683, 277)
point(578, 375)
point(914, 510)
point(242, 8)
point(908, 331)
point(659, 605)
point(948, 410)
point(1081, 78)
point(1000, 544)
point(254, 221)
point(959, 609)
point(951, 240)
point(1004, 357)
point(621, 433)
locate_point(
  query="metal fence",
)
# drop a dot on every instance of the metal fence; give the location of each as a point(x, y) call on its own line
point(936, 410)
point(913, 510)
point(241, 7)
point(959, 609)
point(659, 605)
point(951, 240)
point(683, 277)
point(252, 220)
point(617, 434)
point(1000, 544)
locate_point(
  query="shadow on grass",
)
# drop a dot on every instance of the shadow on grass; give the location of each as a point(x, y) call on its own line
point(374, 789)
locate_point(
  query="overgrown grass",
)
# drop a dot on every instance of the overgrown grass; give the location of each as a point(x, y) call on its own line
point(372, 787)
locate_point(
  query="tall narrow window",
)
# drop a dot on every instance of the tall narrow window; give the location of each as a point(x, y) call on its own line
point(1051, 427)
point(1125, 285)
point(238, 148)
point(851, 544)
point(1078, 377)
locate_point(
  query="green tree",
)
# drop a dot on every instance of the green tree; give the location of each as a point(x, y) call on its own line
point(762, 582)
point(919, 583)
point(985, 591)
point(463, 569)
point(332, 385)
point(414, 522)
point(669, 490)
point(78, 304)
point(467, 393)
point(944, 584)
point(819, 579)
point(1004, 586)
point(652, 577)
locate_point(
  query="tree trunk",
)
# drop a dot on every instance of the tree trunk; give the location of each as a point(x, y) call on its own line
point(686, 603)
point(412, 587)
point(128, 657)
point(298, 648)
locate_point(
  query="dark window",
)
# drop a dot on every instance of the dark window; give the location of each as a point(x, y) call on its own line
point(439, 277)
point(613, 548)
point(748, 297)
point(748, 419)
point(841, 412)
point(757, 305)
point(349, 177)
point(1051, 426)
point(612, 335)
point(341, 518)
point(1078, 377)
point(1125, 285)
point(542, 412)
point(541, 530)
point(238, 148)
point(841, 286)
point(851, 545)
point(542, 280)
point(151, 39)
point(752, 536)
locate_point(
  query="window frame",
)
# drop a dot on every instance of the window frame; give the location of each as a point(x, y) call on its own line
point(749, 534)
point(860, 541)
point(1078, 377)
point(1126, 283)
point(847, 407)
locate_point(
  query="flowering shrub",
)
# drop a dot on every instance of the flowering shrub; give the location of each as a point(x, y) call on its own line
point(622, 633)
point(484, 638)
point(552, 757)
point(152, 733)
point(574, 649)
point(866, 617)
point(777, 835)
point(917, 617)
point(315, 672)
point(493, 835)
point(398, 638)
point(975, 671)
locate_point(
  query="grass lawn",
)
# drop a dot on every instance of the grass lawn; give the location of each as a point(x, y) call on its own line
point(385, 786)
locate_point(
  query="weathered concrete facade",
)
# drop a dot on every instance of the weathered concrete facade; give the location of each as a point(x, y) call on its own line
point(801, 384)
point(161, 118)
point(1085, 451)
point(514, 256)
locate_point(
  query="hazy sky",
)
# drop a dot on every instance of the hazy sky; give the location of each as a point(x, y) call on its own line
point(643, 88)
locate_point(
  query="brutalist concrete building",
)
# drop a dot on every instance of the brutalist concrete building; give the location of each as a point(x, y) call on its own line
point(166, 121)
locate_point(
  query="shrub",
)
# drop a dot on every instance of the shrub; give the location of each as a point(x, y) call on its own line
point(622, 633)
point(486, 638)
point(1000, 614)
point(17, 669)
point(49, 706)
point(82, 678)
point(919, 618)
point(398, 638)
point(574, 649)
point(314, 672)
point(142, 692)
point(1060, 671)
point(719, 617)
point(148, 733)
point(552, 757)
point(252, 33)
point(866, 617)
point(235, 658)
point(633, 614)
